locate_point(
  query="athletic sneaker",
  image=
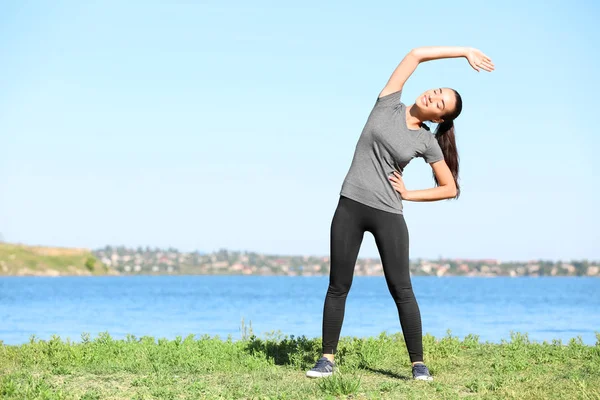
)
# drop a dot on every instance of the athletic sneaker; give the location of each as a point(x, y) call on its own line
point(322, 368)
point(421, 372)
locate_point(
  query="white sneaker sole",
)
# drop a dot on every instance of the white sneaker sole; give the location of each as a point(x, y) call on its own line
point(423, 378)
point(316, 374)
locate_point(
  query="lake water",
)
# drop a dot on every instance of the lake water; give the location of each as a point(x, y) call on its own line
point(168, 306)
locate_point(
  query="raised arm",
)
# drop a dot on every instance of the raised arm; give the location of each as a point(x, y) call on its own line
point(421, 54)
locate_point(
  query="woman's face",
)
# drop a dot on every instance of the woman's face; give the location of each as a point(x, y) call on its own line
point(435, 103)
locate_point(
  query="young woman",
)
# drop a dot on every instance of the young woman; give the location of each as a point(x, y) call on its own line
point(373, 190)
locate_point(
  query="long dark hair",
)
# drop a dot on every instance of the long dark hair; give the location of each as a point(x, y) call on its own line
point(444, 134)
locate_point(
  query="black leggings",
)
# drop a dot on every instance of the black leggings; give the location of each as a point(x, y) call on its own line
point(350, 221)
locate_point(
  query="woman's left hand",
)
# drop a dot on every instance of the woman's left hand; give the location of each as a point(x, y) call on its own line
point(479, 61)
point(397, 183)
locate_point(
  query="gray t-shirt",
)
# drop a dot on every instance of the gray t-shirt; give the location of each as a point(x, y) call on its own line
point(386, 145)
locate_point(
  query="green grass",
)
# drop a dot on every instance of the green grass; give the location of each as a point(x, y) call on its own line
point(31, 260)
point(273, 367)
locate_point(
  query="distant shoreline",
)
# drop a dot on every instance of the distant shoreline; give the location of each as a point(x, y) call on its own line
point(295, 276)
point(40, 261)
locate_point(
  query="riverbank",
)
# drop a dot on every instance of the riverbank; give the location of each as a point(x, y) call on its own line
point(23, 260)
point(273, 367)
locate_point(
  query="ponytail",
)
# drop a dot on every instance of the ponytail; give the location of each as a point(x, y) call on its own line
point(444, 135)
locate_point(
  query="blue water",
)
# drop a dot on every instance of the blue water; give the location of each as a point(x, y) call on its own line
point(168, 306)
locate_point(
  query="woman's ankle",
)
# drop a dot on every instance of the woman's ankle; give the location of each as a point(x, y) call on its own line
point(330, 357)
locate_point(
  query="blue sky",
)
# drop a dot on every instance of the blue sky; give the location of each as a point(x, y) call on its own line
point(208, 125)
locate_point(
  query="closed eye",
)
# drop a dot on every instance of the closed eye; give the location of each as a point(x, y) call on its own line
point(443, 102)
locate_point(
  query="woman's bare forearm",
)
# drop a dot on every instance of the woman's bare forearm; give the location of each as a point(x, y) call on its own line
point(429, 53)
point(433, 194)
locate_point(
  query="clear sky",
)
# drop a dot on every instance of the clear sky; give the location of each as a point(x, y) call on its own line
point(209, 125)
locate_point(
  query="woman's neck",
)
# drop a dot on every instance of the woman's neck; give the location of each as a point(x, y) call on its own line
point(413, 119)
